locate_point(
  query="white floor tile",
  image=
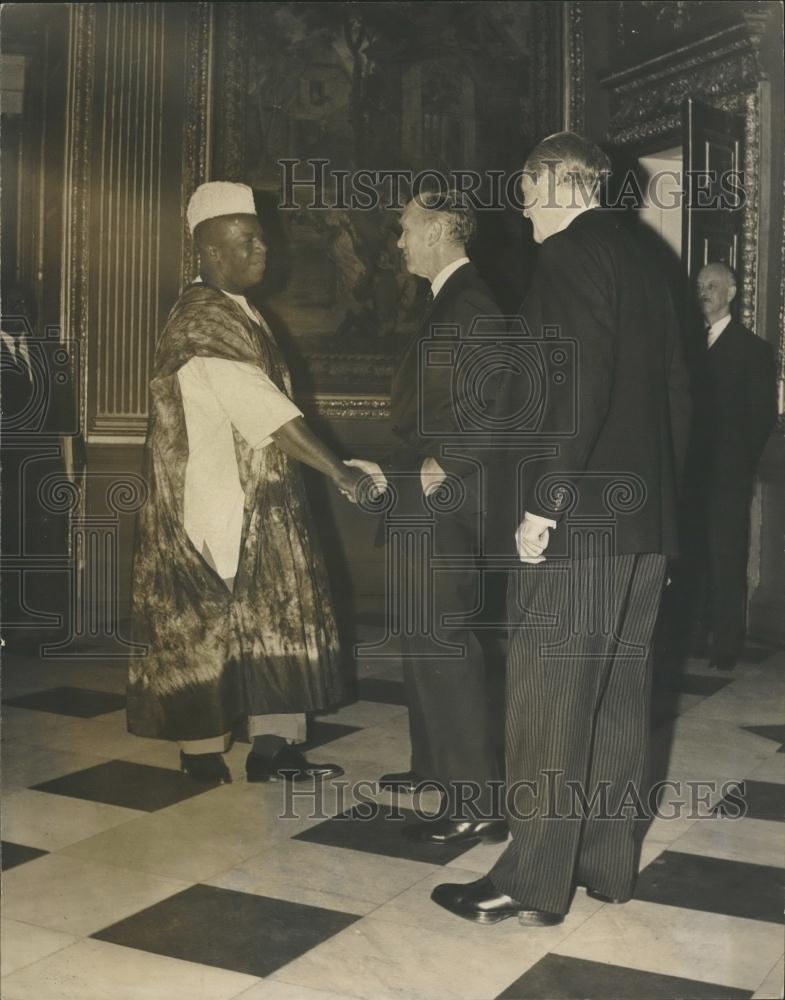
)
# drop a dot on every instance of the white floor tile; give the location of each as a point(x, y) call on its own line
point(386, 960)
point(479, 859)
point(365, 713)
point(50, 822)
point(416, 908)
point(60, 732)
point(748, 702)
point(710, 947)
point(772, 769)
point(96, 970)
point(79, 897)
point(269, 990)
point(354, 881)
point(772, 987)
point(209, 833)
point(24, 765)
point(755, 841)
point(23, 944)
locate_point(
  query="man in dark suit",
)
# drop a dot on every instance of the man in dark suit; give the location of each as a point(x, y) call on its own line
point(597, 513)
point(736, 408)
point(450, 728)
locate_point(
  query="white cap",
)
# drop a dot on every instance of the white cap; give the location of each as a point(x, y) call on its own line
point(219, 198)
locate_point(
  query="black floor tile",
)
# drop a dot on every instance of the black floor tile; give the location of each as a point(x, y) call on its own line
point(123, 783)
point(713, 885)
point(12, 854)
point(764, 800)
point(559, 977)
point(320, 733)
point(83, 703)
point(378, 689)
point(756, 654)
point(699, 684)
point(381, 834)
point(232, 930)
point(776, 733)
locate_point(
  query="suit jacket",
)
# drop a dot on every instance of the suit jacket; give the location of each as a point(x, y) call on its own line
point(628, 419)
point(736, 408)
point(428, 406)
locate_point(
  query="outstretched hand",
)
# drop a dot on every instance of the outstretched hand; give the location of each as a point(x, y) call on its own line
point(372, 469)
point(348, 482)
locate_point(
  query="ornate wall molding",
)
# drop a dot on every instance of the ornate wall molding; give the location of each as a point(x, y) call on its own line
point(231, 92)
point(723, 70)
point(574, 68)
point(781, 327)
point(197, 119)
point(336, 406)
point(76, 186)
point(139, 76)
point(750, 225)
point(646, 99)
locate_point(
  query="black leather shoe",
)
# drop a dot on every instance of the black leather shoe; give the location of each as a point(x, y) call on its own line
point(401, 781)
point(482, 903)
point(450, 831)
point(209, 768)
point(288, 764)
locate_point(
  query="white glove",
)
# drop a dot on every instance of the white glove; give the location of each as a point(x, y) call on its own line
point(532, 536)
point(432, 475)
point(372, 469)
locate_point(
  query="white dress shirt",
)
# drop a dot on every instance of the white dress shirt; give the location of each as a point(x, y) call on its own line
point(714, 331)
point(219, 397)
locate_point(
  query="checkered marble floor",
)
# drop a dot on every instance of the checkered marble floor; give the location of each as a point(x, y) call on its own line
point(124, 880)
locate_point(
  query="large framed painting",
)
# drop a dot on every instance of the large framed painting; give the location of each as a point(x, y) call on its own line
point(330, 111)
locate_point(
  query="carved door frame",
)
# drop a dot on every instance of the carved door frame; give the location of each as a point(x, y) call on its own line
point(725, 70)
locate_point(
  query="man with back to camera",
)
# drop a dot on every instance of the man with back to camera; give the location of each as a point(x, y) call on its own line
point(577, 697)
point(736, 409)
point(449, 721)
point(229, 587)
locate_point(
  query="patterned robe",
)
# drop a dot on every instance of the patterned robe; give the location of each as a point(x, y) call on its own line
point(216, 656)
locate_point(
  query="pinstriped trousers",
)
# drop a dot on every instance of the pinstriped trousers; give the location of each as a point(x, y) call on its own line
point(577, 716)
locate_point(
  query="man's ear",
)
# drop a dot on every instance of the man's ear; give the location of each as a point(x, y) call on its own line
point(434, 233)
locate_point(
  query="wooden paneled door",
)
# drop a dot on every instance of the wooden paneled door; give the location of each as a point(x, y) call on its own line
point(713, 187)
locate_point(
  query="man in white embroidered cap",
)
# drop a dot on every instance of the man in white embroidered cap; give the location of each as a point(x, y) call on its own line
point(230, 592)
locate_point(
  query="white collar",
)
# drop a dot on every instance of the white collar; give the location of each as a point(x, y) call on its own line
point(445, 273)
point(716, 329)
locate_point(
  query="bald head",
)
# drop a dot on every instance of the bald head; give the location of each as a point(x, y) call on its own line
point(716, 287)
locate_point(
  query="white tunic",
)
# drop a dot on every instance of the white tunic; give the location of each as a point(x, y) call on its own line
point(219, 395)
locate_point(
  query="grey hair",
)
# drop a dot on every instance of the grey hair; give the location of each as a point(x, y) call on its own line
point(570, 156)
point(458, 216)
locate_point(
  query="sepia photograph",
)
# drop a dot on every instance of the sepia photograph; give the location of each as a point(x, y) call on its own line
point(392, 500)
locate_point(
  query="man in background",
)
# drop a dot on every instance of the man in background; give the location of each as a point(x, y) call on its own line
point(735, 410)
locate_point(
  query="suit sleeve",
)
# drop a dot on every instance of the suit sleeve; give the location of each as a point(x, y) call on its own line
point(574, 291)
